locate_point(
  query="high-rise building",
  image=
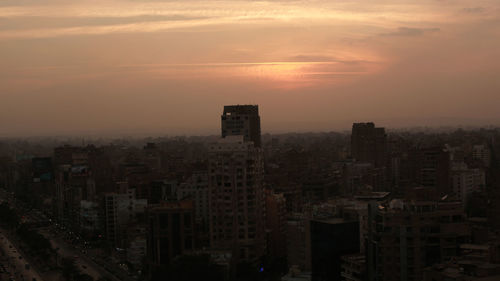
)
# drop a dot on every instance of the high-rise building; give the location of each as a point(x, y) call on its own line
point(120, 210)
point(276, 224)
point(236, 192)
point(369, 144)
point(330, 240)
point(430, 167)
point(236, 198)
point(406, 236)
point(242, 120)
point(464, 181)
point(171, 231)
point(482, 153)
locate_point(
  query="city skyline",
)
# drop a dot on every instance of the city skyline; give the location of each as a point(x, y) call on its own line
point(152, 67)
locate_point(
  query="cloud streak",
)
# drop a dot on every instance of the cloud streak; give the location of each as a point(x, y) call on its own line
point(408, 31)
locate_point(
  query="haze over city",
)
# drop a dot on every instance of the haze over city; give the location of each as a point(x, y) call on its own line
point(166, 67)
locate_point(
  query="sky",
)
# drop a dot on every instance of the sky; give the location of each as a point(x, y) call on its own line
point(168, 67)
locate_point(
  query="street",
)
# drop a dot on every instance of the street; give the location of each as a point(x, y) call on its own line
point(14, 265)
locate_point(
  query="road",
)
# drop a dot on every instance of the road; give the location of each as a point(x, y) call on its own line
point(14, 264)
point(92, 265)
point(84, 264)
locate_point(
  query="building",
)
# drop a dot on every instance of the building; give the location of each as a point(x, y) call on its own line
point(482, 153)
point(463, 270)
point(120, 210)
point(43, 175)
point(430, 167)
point(73, 183)
point(406, 236)
point(299, 242)
point(464, 181)
point(330, 240)
point(171, 231)
point(196, 189)
point(137, 245)
point(369, 144)
point(354, 267)
point(276, 224)
point(90, 222)
point(242, 120)
point(236, 198)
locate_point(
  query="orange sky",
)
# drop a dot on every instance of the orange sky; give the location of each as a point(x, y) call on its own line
point(168, 67)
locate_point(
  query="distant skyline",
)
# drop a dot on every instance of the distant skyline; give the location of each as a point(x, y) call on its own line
point(117, 67)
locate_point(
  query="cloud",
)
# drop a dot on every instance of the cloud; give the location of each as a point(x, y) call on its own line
point(326, 59)
point(475, 10)
point(410, 31)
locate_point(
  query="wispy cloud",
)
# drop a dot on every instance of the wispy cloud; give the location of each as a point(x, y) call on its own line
point(61, 18)
point(410, 31)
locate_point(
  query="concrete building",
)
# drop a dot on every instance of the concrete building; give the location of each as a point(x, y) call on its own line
point(171, 231)
point(430, 167)
point(299, 242)
point(464, 181)
point(196, 189)
point(73, 183)
point(330, 240)
point(276, 224)
point(463, 270)
point(482, 153)
point(354, 267)
point(243, 120)
point(90, 222)
point(137, 244)
point(406, 236)
point(120, 210)
point(236, 198)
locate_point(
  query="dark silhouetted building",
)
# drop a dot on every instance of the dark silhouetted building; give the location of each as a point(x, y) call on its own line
point(369, 144)
point(171, 231)
point(406, 236)
point(431, 168)
point(330, 240)
point(242, 120)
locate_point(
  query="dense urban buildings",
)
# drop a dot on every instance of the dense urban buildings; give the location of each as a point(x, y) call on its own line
point(373, 205)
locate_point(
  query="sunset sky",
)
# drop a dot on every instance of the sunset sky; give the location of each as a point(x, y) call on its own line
point(168, 67)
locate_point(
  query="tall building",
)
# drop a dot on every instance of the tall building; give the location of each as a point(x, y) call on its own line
point(431, 168)
point(330, 240)
point(276, 224)
point(406, 236)
point(236, 198)
point(242, 120)
point(482, 153)
point(120, 210)
point(369, 144)
point(196, 188)
point(236, 192)
point(464, 181)
point(171, 231)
